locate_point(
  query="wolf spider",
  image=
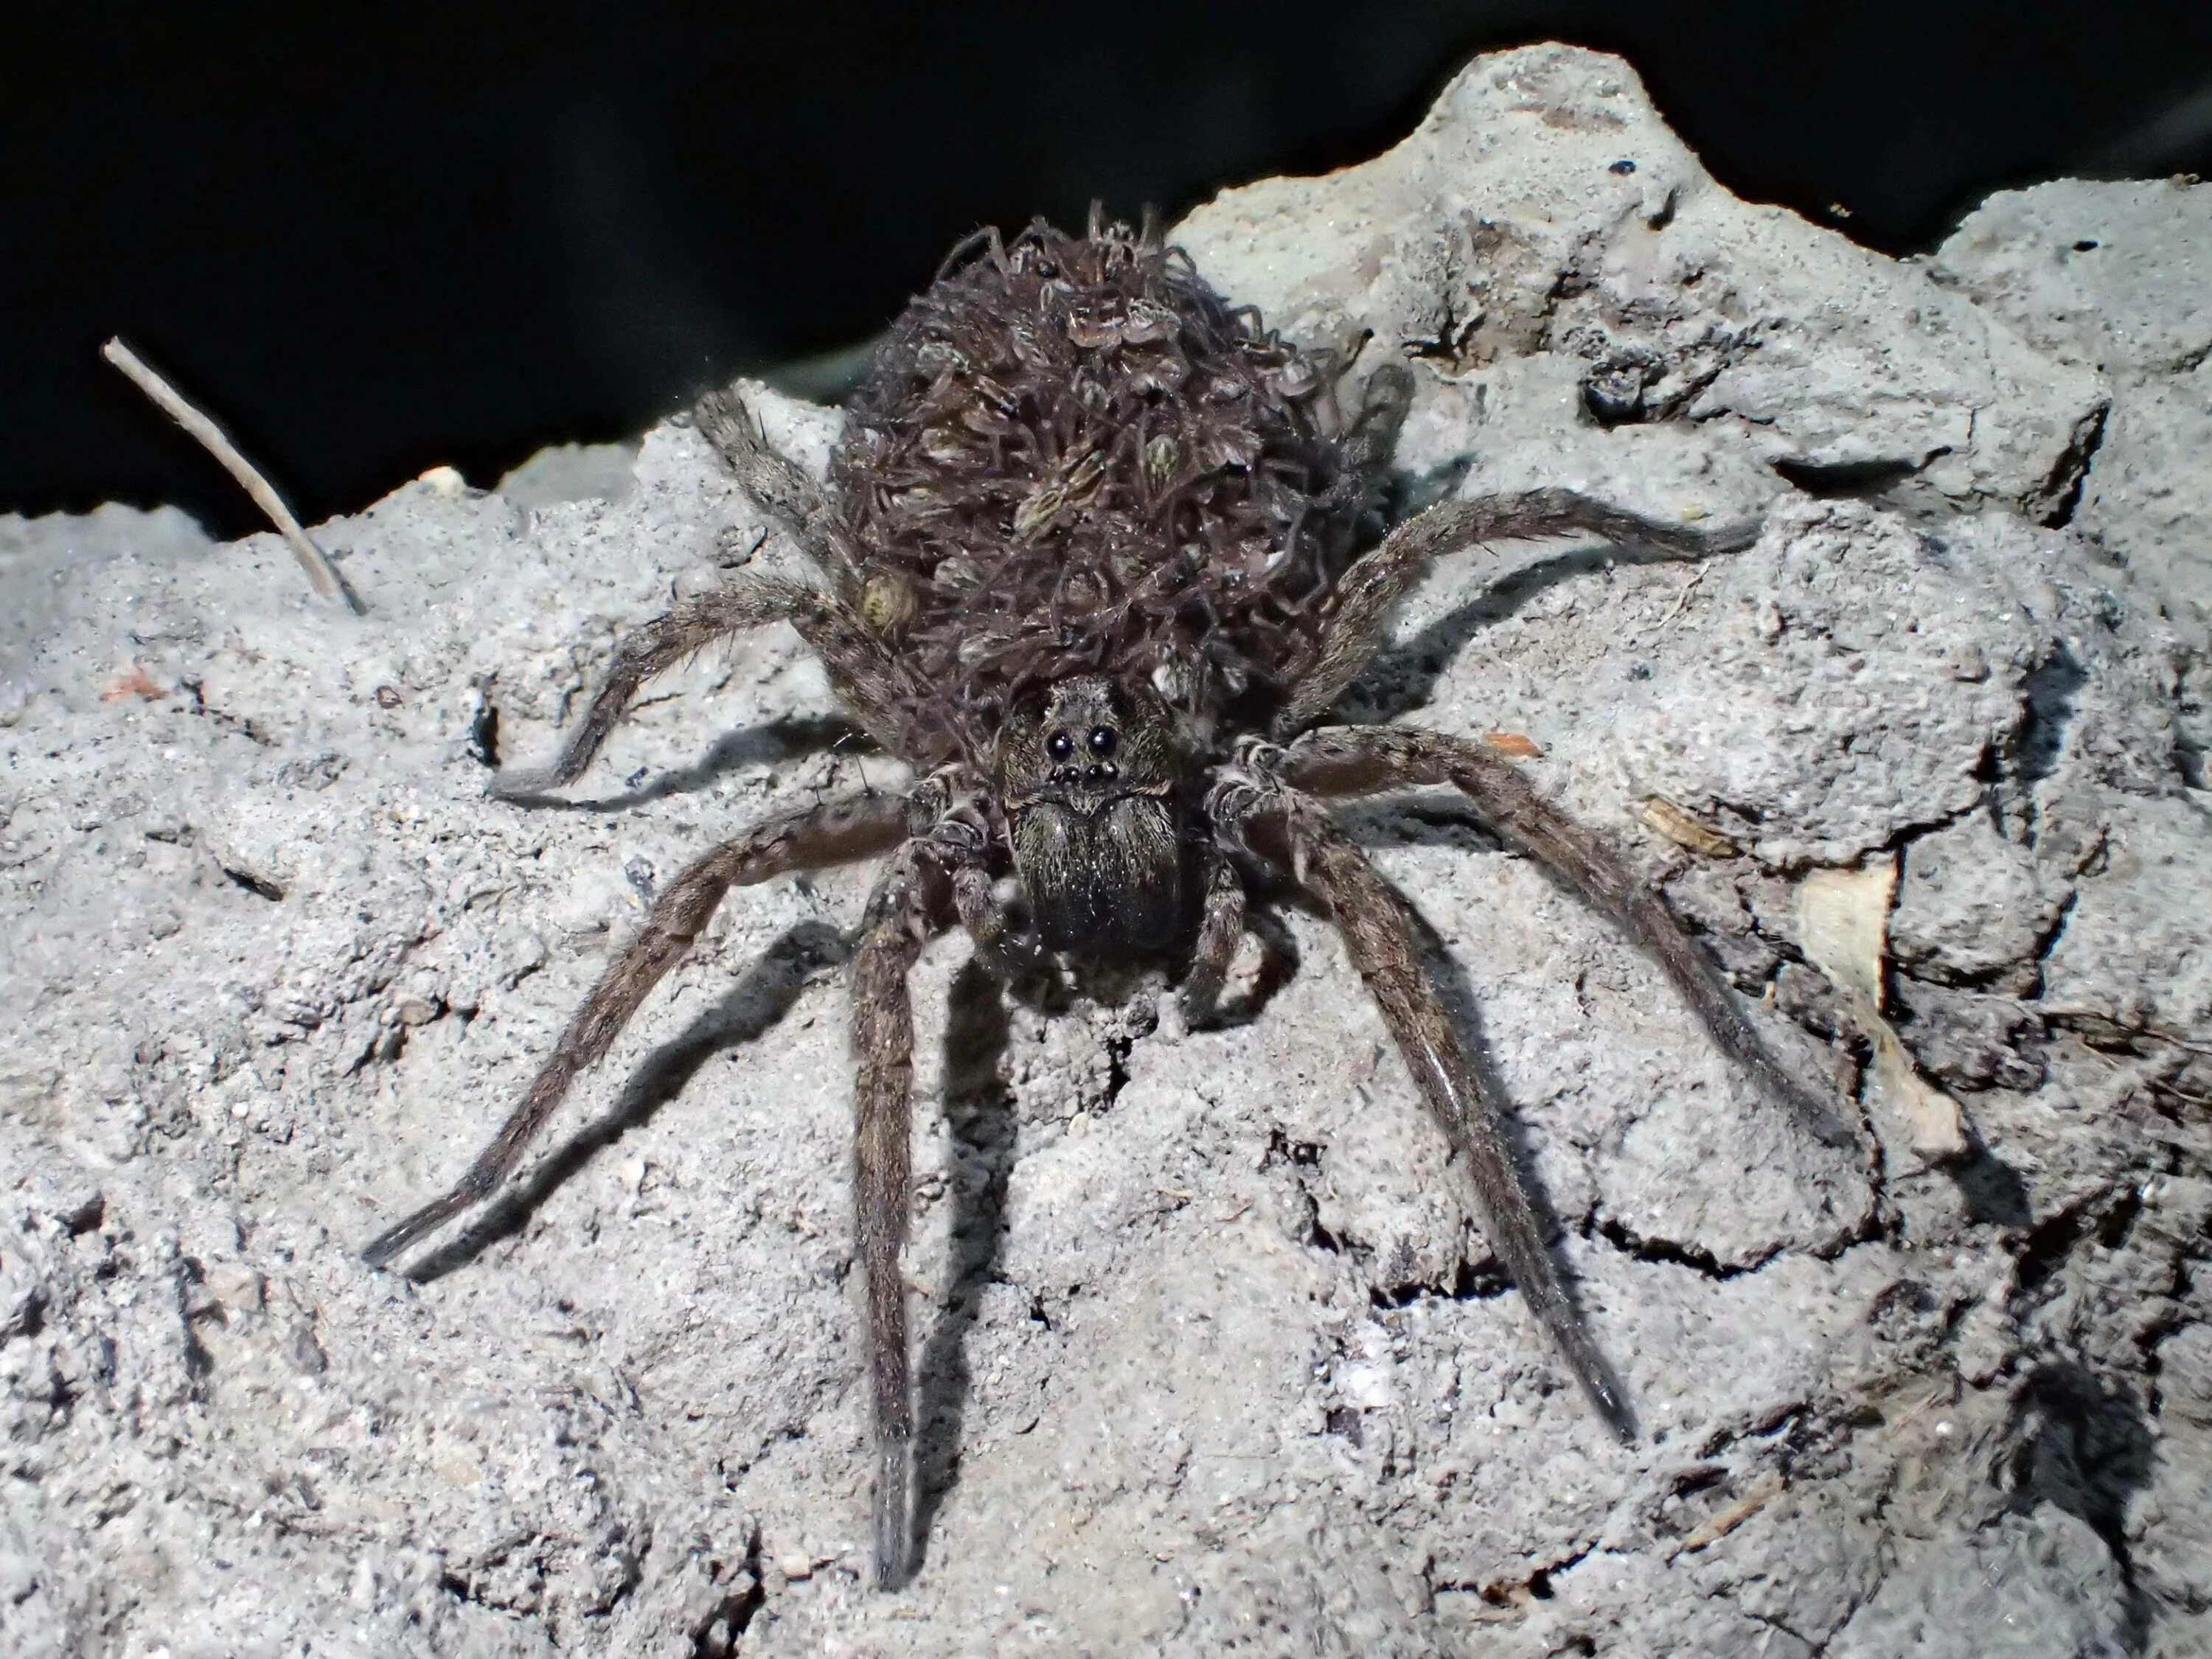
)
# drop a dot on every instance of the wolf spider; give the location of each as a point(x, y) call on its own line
point(1096, 554)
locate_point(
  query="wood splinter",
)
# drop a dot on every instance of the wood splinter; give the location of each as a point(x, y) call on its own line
point(320, 572)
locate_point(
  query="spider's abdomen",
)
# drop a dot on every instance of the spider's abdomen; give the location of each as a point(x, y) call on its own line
point(1070, 455)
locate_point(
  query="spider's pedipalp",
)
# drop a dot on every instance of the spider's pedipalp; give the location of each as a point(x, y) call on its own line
point(835, 832)
point(993, 917)
point(1342, 761)
point(1379, 938)
point(1378, 582)
point(1221, 925)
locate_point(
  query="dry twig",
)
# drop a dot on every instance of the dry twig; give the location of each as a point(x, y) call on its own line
point(313, 559)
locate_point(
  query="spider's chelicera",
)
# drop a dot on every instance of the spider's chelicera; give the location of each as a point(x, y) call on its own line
point(1097, 556)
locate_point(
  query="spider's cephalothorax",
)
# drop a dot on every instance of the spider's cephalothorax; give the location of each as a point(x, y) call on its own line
point(1096, 559)
point(1089, 776)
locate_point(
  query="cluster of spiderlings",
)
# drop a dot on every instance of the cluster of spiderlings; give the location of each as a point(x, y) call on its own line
point(1071, 454)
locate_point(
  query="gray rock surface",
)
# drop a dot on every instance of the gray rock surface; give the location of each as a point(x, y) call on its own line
point(1217, 1358)
point(42, 560)
point(2116, 276)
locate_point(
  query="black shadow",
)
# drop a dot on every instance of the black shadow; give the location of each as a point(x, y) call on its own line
point(2087, 1449)
point(762, 995)
point(1417, 817)
point(1403, 676)
point(979, 1107)
point(1994, 1195)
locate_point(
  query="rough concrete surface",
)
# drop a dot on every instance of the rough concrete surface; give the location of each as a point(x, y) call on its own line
point(1212, 1359)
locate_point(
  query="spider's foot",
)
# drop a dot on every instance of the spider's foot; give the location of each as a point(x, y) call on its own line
point(397, 1237)
point(894, 1519)
point(1600, 1383)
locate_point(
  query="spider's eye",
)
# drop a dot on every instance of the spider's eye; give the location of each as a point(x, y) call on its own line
point(1060, 745)
point(1102, 740)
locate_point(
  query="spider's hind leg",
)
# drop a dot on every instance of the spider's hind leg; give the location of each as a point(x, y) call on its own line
point(1385, 402)
point(727, 422)
point(868, 679)
point(869, 683)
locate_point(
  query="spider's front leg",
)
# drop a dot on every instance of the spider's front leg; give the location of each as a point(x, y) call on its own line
point(835, 832)
point(1380, 580)
point(1340, 760)
point(944, 858)
point(1378, 935)
point(891, 934)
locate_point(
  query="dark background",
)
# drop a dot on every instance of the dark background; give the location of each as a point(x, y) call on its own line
point(373, 240)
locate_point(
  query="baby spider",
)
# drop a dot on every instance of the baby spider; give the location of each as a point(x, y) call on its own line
point(1095, 558)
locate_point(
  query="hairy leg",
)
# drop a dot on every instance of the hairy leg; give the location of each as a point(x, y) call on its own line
point(834, 833)
point(944, 811)
point(1221, 923)
point(724, 421)
point(1379, 937)
point(883, 1046)
point(1363, 760)
point(1005, 942)
point(652, 650)
point(1374, 585)
point(863, 673)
